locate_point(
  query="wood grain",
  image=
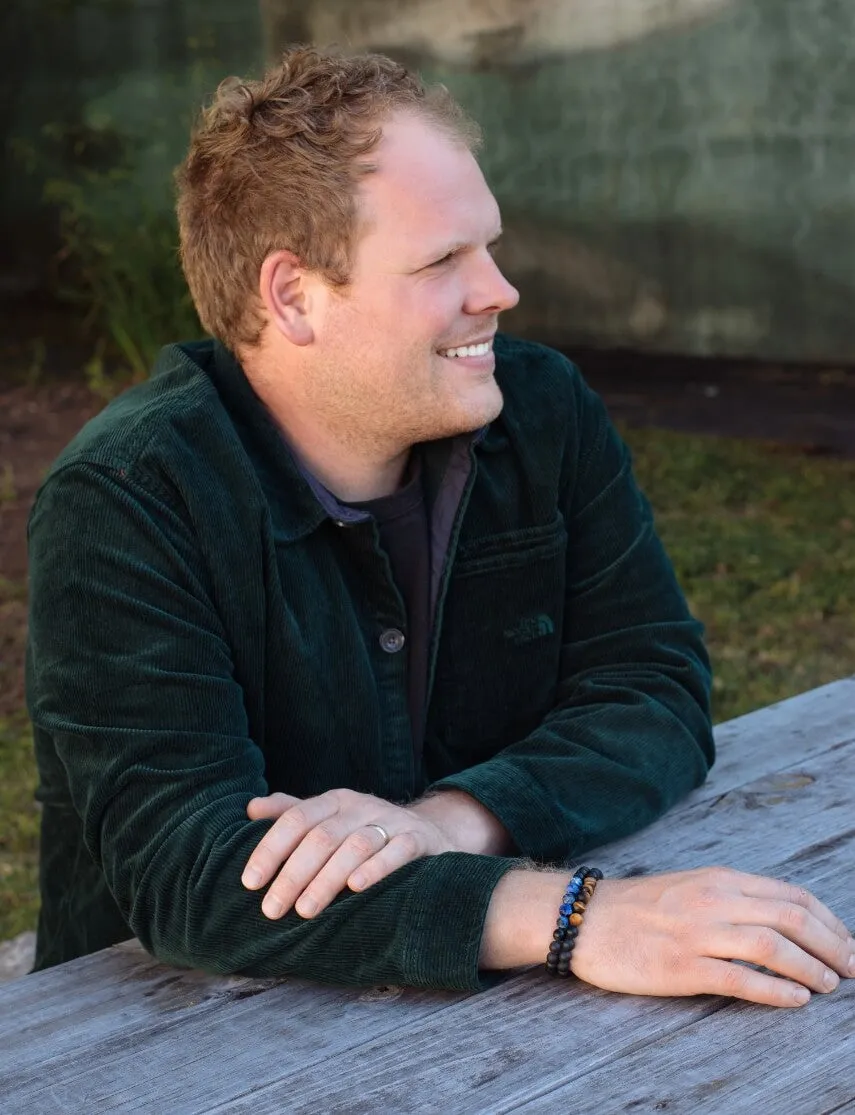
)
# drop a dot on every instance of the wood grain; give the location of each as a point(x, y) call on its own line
point(119, 1032)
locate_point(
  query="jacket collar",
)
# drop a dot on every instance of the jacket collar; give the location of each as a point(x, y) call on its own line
point(299, 501)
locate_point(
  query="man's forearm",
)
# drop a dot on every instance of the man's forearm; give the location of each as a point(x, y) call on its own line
point(469, 825)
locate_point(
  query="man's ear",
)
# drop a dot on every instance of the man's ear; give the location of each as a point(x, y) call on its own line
point(283, 292)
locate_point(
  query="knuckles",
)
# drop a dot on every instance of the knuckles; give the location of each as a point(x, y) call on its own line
point(734, 980)
point(706, 896)
point(794, 918)
point(765, 945)
point(361, 843)
point(408, 844)
point(323, 838)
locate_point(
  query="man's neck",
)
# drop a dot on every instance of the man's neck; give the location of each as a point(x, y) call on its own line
point(351, 470)
point(350, 478)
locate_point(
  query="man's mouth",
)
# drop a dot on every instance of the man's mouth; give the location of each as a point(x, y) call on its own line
point(482, 349)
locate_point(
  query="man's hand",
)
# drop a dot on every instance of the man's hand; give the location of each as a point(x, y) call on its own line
point(679, 934)
point(326, 843)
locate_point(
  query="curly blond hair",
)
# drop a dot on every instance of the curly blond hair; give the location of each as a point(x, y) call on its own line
point(275, 164)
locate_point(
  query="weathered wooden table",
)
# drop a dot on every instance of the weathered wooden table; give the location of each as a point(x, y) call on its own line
point(119, 1032)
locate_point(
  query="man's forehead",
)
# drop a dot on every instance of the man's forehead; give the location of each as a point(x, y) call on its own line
point(427, 188)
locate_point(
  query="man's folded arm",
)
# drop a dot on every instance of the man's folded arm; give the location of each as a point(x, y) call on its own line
point(630, 732)
point(132, 679)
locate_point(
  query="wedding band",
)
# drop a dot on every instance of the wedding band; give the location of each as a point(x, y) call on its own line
point(382, 832)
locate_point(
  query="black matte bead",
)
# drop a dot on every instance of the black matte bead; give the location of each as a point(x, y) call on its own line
point(596, 873)
point(560, 934)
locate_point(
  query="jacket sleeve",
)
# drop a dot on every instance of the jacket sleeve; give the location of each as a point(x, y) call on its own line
point(131, 679)
point(630, 730)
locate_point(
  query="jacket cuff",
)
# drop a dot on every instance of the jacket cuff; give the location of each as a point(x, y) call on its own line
point(455, 889)
point(519, 803)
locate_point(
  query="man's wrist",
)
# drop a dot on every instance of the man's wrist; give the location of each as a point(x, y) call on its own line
point(521, 918)
point(468, 825)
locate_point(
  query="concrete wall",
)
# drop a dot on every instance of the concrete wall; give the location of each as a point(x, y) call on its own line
point(676, 175)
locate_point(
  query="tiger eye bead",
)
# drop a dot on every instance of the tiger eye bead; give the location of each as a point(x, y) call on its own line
point(577, 895)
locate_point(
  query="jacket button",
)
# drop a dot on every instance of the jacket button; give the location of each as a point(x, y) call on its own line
point(392, 640)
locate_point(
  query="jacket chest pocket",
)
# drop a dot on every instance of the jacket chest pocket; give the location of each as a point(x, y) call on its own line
point(498, 658)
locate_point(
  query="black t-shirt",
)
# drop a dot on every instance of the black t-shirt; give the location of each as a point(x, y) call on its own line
point(402, 519)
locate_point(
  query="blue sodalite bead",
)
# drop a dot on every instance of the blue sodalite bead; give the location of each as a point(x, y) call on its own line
point(565, 909)
point(563, 922)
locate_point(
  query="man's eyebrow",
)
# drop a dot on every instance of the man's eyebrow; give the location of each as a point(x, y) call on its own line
point(460, 246)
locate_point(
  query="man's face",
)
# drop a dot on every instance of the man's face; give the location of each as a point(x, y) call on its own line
point(424, 282)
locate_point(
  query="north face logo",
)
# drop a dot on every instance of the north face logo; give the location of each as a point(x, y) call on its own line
point(529, 629)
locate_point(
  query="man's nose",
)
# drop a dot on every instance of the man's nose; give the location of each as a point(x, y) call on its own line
point(490, 292)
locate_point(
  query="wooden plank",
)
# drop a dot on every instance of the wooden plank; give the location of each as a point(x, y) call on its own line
point(130, 1009)
point(745, 1059)
point(118, 1002)
point(772, 738)
point(472, 1054)
point(491, 1055)
point(766, 821)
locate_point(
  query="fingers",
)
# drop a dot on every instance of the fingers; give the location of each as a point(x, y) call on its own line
point(319, 846)
point(799, 925)
point(720, 977)
point(361, 861)
point(284, 836)
point(317, 870)
point(271, 807)
point(759, 944)
point(758, 886)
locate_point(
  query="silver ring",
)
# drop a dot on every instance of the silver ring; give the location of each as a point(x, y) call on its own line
point(382, 832)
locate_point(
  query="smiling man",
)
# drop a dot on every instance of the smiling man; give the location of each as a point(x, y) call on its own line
point(350, 627)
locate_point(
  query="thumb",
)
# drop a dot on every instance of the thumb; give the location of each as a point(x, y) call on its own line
point(270, 807)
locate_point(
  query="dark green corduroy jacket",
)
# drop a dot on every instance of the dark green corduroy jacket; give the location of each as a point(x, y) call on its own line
point(202, 631)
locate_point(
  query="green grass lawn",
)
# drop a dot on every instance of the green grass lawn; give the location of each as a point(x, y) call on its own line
point(764, 545)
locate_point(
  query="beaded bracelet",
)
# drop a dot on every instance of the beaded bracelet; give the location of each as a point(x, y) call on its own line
point(571, 913)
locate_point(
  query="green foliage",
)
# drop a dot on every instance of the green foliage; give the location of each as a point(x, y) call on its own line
point(8, 487)
point(19, 835)
point(122, 269)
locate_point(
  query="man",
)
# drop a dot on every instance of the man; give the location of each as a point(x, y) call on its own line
point(361, 601)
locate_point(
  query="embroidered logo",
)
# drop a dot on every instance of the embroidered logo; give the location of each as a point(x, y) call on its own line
point(529, 629)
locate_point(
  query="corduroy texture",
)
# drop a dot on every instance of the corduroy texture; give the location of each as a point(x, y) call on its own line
point(202, 632)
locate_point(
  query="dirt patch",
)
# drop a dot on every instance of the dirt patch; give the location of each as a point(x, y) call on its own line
point(36, 422)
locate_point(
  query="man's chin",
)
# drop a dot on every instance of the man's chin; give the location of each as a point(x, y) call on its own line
point(479, 408)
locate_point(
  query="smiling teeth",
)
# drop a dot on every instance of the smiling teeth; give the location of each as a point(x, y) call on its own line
point(467, 350)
